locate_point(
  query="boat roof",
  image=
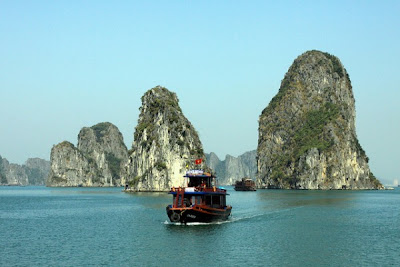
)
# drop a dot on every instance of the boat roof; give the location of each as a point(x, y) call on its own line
point(199, 176)
point(198, 173)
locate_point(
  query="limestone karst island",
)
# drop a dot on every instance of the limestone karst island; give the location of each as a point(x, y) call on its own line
point(307, 140)
point(165, 144)
point(98, 160)
point(307, 136)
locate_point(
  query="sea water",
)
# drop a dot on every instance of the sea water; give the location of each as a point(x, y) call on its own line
point(42, 226)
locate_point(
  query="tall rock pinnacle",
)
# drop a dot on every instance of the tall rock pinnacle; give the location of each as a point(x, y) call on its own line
point(307, 137)
point(165, 144)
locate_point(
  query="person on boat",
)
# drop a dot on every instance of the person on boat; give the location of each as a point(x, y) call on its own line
point(188, 202)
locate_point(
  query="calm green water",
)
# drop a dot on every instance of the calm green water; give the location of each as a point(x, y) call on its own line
point(102, 226)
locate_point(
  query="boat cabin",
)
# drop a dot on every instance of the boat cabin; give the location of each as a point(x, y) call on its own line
point(200, 190)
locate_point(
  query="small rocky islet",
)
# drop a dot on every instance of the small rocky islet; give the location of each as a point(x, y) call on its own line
point(307, 140)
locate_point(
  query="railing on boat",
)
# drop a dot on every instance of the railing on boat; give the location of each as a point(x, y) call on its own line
point(197, 189)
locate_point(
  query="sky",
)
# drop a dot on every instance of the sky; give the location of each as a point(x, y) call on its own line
point(65, 65)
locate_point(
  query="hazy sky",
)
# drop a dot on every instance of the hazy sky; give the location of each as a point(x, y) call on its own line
point(65, 65)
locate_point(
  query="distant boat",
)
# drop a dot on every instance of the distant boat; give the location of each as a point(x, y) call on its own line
point(245, 184)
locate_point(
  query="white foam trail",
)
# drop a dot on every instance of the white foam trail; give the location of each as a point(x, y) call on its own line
point(197, 223)
point(233, 219)
point(251, 216)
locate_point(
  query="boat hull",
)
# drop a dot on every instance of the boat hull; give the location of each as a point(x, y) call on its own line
point(245, 188)
point(198, 214)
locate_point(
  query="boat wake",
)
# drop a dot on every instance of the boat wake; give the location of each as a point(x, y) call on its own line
point(269, 213)
point(197, 223)
point(233, 218)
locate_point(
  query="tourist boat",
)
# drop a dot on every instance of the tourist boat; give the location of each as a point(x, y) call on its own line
point(245, 185)
point(200, 201)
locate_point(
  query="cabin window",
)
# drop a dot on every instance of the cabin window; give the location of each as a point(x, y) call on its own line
point(216, 201)
point(223, 201)
point(208, 200)
point(179, 204)
point(198, 200)
point(195, 182)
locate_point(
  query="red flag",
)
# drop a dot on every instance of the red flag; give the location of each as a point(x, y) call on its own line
point(198, 161)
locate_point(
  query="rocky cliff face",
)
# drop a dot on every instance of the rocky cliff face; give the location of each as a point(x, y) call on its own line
point(165, 144)
point(232, 169)
point(104, 144)
point(98, 160)
point(307, 137)
point(37, 170)
point(3, 178)
point(12, 174)
point(33, 172)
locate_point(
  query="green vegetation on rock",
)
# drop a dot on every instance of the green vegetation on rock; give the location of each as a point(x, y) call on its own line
point(159, 101)
point(160, 166)
point(374, 180)
point(132, 183)
point(163, 101)
point(3, 179)
point(311, 134)
point(164, 141)
point(66, 144)
point(114, 164)
point(100, 129)
point(337, 67)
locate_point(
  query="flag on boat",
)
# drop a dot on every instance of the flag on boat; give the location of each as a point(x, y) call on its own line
point(198, 161)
